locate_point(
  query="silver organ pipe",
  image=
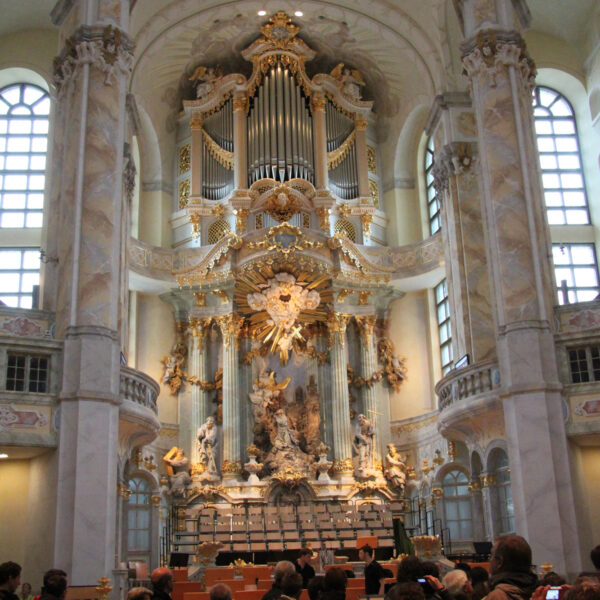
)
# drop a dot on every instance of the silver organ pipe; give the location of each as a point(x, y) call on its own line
point(217, 181)
point(280, 143)
point(343, 178)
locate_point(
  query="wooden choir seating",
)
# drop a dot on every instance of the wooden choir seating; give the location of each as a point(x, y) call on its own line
point(245, 529)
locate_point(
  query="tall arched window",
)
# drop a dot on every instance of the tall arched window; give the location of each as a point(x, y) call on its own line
point(457, 505)
point(139, 518)
point(24, 110)
point(560, 159)
point(442, 311)
point(433, 203)
point(498, 466)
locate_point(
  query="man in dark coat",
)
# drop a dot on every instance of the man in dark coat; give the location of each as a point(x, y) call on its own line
point(55, 585)
point(510, 569)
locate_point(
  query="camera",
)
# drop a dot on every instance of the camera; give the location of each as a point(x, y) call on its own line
point(553, 593)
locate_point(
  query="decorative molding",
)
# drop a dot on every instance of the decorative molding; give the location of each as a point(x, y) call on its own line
point(129, 173)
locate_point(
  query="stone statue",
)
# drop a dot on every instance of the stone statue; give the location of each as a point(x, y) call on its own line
point(177, 469)
point(207, 440)
point(204, 79)
point(363, 446)
point(285, 438)
point(395, 469)
point(173, 375)
point(350, 80)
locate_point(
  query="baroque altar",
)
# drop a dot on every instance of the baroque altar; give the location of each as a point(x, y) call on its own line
point(281, 354)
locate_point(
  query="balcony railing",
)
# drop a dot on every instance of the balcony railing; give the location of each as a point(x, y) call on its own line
point(140, 388)
point(468, 382)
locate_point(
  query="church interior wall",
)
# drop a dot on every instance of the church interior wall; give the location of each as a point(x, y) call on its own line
point(409, 333)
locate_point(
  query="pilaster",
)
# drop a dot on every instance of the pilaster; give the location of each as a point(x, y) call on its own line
point(502, 74)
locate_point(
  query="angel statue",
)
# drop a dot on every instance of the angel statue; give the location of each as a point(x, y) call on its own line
point(205, 78)
point(395, 468)
point(350, 80)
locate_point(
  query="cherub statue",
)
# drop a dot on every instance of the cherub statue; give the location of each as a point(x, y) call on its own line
point(395, 468)
point(173, 373)
point(205, 78)
point(350, 80)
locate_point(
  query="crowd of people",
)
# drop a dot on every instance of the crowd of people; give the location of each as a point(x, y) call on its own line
point(510, 577)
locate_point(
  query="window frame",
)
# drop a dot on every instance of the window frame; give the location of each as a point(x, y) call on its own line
point(459, 500)
point(32, 215)
point(21, 271)
point(559, 171)
point(564, 293)
point(434, 222)
point(444, 303)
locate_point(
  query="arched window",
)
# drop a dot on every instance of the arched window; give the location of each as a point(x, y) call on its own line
point(24, 110)
point(560, 159)
point(498, 466)
point(139, 517)
point(457, 505)
point(442, 311)
point(433, 203)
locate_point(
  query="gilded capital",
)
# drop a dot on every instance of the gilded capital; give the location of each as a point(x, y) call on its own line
point(196, 123)
point(360, 124)
point(366, 325)
point(336, 323)
point(240, 103)
point(317, 102)
point(230, 326)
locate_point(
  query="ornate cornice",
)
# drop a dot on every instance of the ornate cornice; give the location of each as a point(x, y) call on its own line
point(491, 51)
point(108, 49)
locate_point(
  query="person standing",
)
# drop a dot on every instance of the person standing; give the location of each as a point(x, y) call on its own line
point(304, 567)
point(10, 580)
point(374, 573)
point(55, 585)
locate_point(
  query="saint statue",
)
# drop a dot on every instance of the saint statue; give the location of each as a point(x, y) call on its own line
point(285, 438)
point(207, 440)
point(363, 445)
point(395, 469)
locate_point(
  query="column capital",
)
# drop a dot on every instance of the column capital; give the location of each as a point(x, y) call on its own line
point(109, 49)
point(196, 123)
point(336, 323)
point(366, 324)
point(454, 158)
point(361, 124)
point(317, 102)
point(241, 103)
point(491, 51)
point(230, 326)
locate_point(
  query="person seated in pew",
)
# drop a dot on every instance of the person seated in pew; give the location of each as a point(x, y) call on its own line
point(219, 591)
point(304, 567)
point(291, 586)
point(282, 568)
point(162, 583)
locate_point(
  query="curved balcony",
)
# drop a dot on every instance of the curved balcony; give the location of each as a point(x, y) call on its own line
point(469, 402)
point(138, 413)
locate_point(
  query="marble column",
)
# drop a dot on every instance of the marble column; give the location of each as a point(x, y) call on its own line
point(490, 505)
point(198, 367)
point(478, 518)
point(240, 167)
point(231, 467)
point(368, 366)
point(501, 76)
point(324, 379)
point(362, 162)
point(91, 74)
point(196, 157)
point(317, 107)
point(340, 402)
point(456, 181)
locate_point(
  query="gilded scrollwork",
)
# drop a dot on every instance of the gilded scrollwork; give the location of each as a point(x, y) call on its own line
point(222, 156)
point(335, 157)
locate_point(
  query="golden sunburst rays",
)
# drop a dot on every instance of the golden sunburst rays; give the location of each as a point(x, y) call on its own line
point(262, 325)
